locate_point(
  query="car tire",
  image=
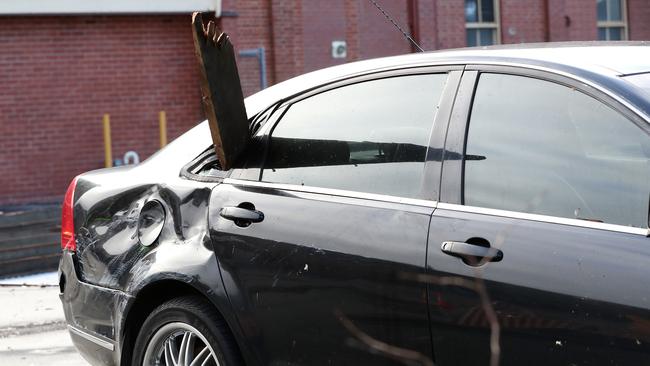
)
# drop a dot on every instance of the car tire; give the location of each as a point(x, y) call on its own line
point(181, 330)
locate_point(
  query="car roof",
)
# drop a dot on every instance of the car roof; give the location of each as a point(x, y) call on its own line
point(620, 58)
point(596, 61)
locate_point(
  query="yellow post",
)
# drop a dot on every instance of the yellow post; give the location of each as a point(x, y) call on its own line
point(108, 154)
point(162, 118)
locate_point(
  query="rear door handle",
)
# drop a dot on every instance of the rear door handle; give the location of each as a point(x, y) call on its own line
point(241, 216)
point(471, 252)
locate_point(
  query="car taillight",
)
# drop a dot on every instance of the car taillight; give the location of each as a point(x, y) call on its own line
point(67, 219)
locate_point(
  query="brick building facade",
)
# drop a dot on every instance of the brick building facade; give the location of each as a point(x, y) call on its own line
point(60, 73)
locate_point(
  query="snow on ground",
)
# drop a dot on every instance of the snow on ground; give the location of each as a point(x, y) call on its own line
point(24, 307)
point(53, 348)
point(32, 325)
point(47, 278)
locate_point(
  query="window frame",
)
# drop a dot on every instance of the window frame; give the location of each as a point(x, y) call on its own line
point(452, 180)
point(264, 122)
point(430, 185)
point(608, 24)
point(494, 26)
point(257, 125)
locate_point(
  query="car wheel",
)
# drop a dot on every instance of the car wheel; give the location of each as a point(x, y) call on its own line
point(185, 331)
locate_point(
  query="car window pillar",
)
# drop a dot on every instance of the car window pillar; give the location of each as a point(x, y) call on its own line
point(452, 165)
point(433, 161)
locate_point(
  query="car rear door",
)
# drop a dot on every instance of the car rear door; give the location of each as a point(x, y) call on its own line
point(317, 255)
point(538, 251)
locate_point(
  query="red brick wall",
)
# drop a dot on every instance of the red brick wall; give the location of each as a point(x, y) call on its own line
point(638, 17)
point(60, 74)
point(558, 21)
point(286, 20)
point(572, 20)
point(250, 29)
point(425, 21)
point(523, 21)
point(450, 24)
point(377, 36)
point(352, 14)
point(583, 20)
point(322, 23)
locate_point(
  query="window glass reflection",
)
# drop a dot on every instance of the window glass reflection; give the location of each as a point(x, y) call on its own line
point(615, 10)
point(471, 11)
point(487, 10)
point(471, 38)
point(602, 10)
point(487, 37)
point(615, 34)
point(369, 137)
point(552, 150)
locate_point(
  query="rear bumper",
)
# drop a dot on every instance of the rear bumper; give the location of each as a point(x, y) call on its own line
point(93, 314)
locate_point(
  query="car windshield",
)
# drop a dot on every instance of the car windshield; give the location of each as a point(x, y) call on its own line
point(640, 80)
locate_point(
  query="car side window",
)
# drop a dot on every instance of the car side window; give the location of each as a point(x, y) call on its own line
point(539, 147)
point(369, 137)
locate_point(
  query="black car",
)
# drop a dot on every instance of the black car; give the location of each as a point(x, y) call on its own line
point(465, 207)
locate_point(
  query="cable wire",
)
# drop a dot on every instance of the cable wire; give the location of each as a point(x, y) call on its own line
point(406, 35)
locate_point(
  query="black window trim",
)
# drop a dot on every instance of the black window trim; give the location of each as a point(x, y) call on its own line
point(452, 179)
point(543, 218)
point(192, 170)
point(329, 194)
point(277, 108)
point(429, 189)
point(585, 86)
point(373, 75)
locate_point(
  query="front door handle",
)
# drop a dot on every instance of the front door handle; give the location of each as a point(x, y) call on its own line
point(472, 254)
point(241, 216)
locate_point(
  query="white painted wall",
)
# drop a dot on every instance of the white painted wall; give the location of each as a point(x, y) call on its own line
point(72, 7)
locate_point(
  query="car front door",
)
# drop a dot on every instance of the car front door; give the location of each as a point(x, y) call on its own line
point(316, 254)
point(538, 251)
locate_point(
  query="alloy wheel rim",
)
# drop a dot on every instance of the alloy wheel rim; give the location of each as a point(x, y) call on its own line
point(179, 344)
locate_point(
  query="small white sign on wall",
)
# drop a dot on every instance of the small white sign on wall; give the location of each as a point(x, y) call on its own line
point(339, 49)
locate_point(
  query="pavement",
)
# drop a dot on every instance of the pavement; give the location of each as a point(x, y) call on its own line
point(32, 324)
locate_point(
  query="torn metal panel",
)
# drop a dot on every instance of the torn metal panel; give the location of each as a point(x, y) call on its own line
point(222, 99)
